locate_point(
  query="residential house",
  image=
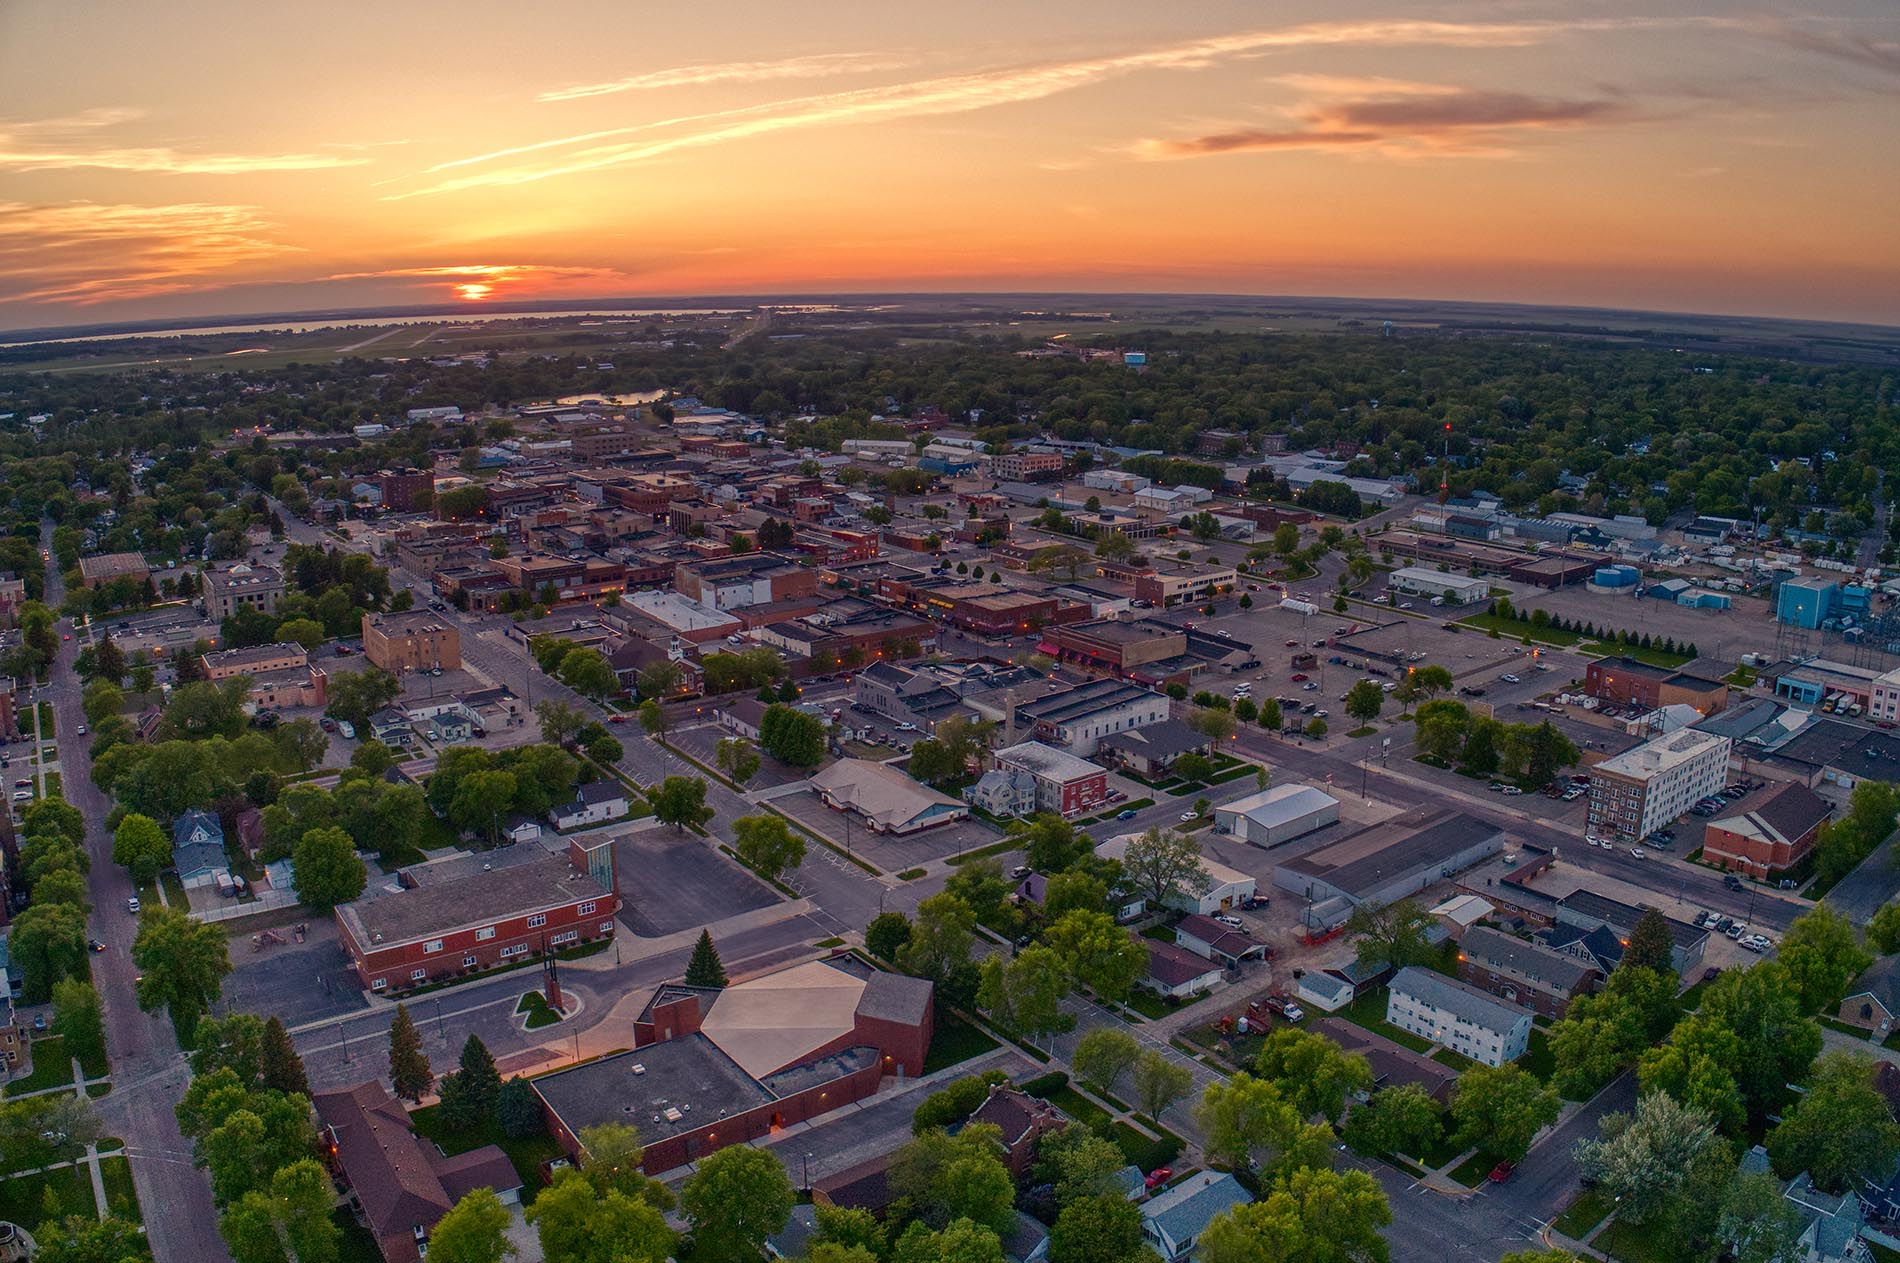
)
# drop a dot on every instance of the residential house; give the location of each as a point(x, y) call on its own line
point(1177, 973)
point(198, 850)
point(1206, 937)
point(1004, 792)
point(1173, 1220)
point(1523, 972)
point(1065, 785)
point(1023, 1121)
point(593, 803)
point(1152, 750)
point(1873, 999)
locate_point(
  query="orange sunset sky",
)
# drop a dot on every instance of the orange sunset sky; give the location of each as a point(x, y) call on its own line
point(197, 157)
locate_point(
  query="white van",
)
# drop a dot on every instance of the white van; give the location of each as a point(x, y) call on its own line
point(346, 729)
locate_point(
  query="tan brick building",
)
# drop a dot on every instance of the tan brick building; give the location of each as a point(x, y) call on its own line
point(415, 639)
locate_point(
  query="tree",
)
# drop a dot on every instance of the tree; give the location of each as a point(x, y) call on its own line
point(1698, 1067)
point(1758, 1221)
point(409, 1071)
point(1316, 728)
point(1247, 1123)
point(1364, 700)
point(1500, 1109)
point(1050, 843)
point(588, 672)
point(737, 1198)
point(791, 736)
point(954, 1102)
point(1883, 930)
point(611, 1154)
point(1102, 1056)
point(575, 1225)
point(1164, 866)
point(661, 680)
point(1312, 1072)
point(1213, 723)
point(942, 935)
point(54, 815)
point(1650, 946)
point(1311, 1216)
point(1072, 891)
point(960, 1241)
point(653, 718)
point(1644, 1161)
point(1101, 955)
point(356, 695)
point(141, 847)
point(767, 845)
point(519, 1110)
point(84, 1239)
point(1775, 1043)
point(1025, 993)
point(1270, 717)
point(279, 1066)
point(182, 964)
point(1158, 1083)
point(373, 757)
point(1441, 729)
point(1105, 1228)
point(1392, 934)
point(78, 1017)
point(1480, 755)
point(1400, 1119)
point(474, 1231)
point(1839, 1128)
point(326, 869)
point(739, 760)
point(1079, 1163)
point(1598, 1038)
point(471, 1095)
point(940, 1178)
point(886, 935)
point(680, 801)
point(1822, 954)
point(559, 720)
point(705, 968)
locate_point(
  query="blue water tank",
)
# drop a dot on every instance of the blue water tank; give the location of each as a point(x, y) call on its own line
point(1616, 577)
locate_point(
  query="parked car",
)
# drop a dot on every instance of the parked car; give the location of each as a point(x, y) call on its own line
point(1637, 852)
point(1502, 1172)
point(1159, 1176)
point(1189, 815)
point(1508, 678)
point(132, 905)
point(1229, 920)
point(95, 945)
point(1020, 871)
point(1125, 814)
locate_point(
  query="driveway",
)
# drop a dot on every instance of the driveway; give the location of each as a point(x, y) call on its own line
point(673, 880)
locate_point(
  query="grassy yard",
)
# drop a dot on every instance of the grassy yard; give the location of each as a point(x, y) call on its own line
point(1511, 629)
point(23, 1199)
point(954, 1041)
point(1143, 1152)
point(121, 1198)
point(527, 1153)
point(1472, 1170)
point(1582, 1216)
point(1537, 1058)
point(540, 1012)
point(52, 1068)
point(1368, 1010)
point(1148, 1004)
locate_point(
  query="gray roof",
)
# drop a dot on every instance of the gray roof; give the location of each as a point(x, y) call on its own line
point(1282, 804)
point(1881, 980)
point(1165, 740)
point(1185, 1210)
point(1458, 999)
point(895, 998)
point(1082, 700)
point(1623, 917)
point(1320, 982)
point(1563, 973)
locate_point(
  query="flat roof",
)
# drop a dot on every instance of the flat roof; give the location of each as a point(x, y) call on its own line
point(464, 891)
point(1621, 916)
point(1047, 761)
point(1421, 839)
point(1664, 754)
point(673, 1086)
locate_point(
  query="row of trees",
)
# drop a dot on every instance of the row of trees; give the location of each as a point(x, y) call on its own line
point(474, 787)
point(1447, 731)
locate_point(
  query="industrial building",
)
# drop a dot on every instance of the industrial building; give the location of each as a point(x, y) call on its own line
point(1277, 815)
point(1453, 589)
point(1391, 860)
point(1641, 790)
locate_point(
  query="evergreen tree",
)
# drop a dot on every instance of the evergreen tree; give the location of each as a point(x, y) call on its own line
point(282, 1067)
point(705, 968)
point(409, 1071)
point(479, 1082)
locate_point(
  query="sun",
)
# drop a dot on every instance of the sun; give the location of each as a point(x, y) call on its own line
point(474, 291)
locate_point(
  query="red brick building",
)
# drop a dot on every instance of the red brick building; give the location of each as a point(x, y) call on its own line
point(1767, 833)
point(715, 1067)
point(460, 916)
point(1628, 682)
point(1065, 784)
point(406, 490)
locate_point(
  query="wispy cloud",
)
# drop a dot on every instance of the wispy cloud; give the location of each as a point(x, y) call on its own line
point(72, 141)
point(86, 252)
point(817, 66)
point(1408, 119)
point(978, 90)
point(1882, 55)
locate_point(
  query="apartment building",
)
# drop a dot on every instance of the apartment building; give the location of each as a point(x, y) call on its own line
point(1642, 790)
point(1172, 582)
point(413, 640)
point(407, 490)
point(1458, 1016)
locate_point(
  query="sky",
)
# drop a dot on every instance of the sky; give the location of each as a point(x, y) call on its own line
point(200, 157)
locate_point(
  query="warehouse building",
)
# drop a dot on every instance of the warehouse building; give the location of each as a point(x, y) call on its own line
point(1277, 815)
point(1453, 589)
point(1391, 860)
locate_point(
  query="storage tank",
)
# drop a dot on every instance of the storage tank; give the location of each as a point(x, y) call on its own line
point(1616, 576)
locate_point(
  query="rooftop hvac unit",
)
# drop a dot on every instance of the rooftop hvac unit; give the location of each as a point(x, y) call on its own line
point(639, 1069)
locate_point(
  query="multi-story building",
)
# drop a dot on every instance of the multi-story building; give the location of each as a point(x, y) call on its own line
point(1142, 651)
point(254, 660)
point(461, 915)
point(1768, 832)
point(407, 490)
point(1172, 582)
point(106, 567)
point(1628, 682)
point(1077, 719)
point(1458, 1016)
point(242, 587)
point(730, 583)
point(648, 493)
point(1026, 466)
point(1065, 785)
point(412, 640)
point(1521, 972)
point(1641, 790)
point(1883, 700)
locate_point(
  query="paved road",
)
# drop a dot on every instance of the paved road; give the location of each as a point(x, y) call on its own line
point(148, 1072)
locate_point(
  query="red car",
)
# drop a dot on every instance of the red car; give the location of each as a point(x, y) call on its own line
point(1502, 1172)
point(1159, 1176)
point(1299, 677)
point(1292, 644)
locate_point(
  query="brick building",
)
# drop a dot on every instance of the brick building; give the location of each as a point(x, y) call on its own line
point(242, 587)
point(253, 661)
point(1530, 974)
point(1767, 833)
point(1026, 466)
point(407, 490)
point(1065, 784)
point(717, 1067)
point(106, 567)
point(462, 915)
point(412, 640)
point(1628, 682)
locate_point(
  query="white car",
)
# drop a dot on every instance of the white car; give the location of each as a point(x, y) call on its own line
point(1508, 678)
point(907, 727)
point(1232, 921)
point(1637, 852)
point(1189, 815)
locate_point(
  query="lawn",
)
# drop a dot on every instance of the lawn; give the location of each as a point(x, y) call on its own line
point(121, 1198)
point(1472, 1170)
point(1582, 1216)
point(1537, 1058)
point(527, 1153)
point(52, 1068)
point(23, 1199)
point(1511, 629)
point(1148, 1004)
point(1143, 1152)
point(1366, 731)
point(540, 1012)
point(954, 1041)
point(1080, 1108)
point(1456, 1060)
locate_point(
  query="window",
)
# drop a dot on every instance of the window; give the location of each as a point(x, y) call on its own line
point(469, 961)
point(433, 945)
point(515, 949)
point(378, 984)
point(566, 936)
point(484, 934)
point(586, 909)
point(417, 975)
point(606, 927)
point(537, 919)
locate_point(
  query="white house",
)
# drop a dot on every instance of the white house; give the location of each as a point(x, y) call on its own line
point(1458, 1016)
point(1174, 1220)
point(594, 803)
point(1176, 972)
point(1324, 991)
point(1225, 886)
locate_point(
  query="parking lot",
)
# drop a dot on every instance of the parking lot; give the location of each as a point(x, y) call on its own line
point(889, 852)
point(702, 743)
point(671, 880)
point(298, 982)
